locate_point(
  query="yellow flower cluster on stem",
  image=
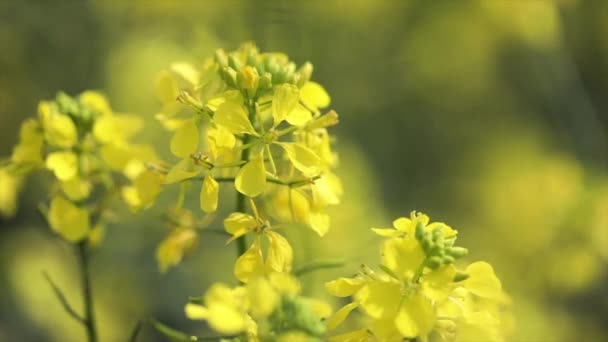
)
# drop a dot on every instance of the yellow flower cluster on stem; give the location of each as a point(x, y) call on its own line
point(253, 119)
point(420, 293)
point(87, 149)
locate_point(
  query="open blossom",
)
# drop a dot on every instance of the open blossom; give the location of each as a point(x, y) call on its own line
point(420, 292)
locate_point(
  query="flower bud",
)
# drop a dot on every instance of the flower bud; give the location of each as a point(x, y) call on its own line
point(248, 79)
point(460, 276)
point(229, 76)
point(265, 81)
point(323, 121)
point(234, 62)
point(434, 262)
point(221, 58)
point(457, 252)
point(305, 73)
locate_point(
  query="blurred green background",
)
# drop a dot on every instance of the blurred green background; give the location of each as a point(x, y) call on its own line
point(489, 115)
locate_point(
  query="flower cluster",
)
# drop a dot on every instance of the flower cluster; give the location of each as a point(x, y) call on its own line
point(419, 292)
point(255, 120)
point(267, 308)
point(87, 149)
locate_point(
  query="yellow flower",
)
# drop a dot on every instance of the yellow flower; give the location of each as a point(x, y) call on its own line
point(171, 251)
point(9, 188)
point(144, 190)
point(63, 164)
point(421, 290)
point(225, 309)
point(59, 129)
point(29, 149)
point(68, 220)
point(279, 257)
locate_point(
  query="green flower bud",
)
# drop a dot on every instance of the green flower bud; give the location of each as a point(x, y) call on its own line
point(448, 259)
point(229, 76)
point(248, 79)
point(305, 73)
point(272, 66)
point(221, 58)
point(434, 262)
point(265, 81)
point(234, 62)
point(327, 120)
point(457, 252)
point(419, 233)
point(460, 276)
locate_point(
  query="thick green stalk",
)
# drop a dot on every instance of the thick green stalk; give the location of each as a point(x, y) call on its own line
point(87, 293)
point(241, 200)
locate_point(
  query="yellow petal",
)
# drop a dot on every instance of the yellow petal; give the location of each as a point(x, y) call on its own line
point(280, 253)
point(166, 87)
point(285, 99)
point(112, 128)
point(115, 156)
point(29, 149)
point(183, 170)
point(251, 179)
point(221, 137)
point(63, 164)
point(68, 220)
point(482, 281)
point(250, 264)
point(239, 224)
point(9, 187)
point(334, 321)
point(319, 222)
point(76, 188)
point(344, 287)
point(185, 140)
point(196, 311)
point(378, 298)
point(209, 194)
point(416, 317)
point(233, 117)
point(96, 101)
point(146, 188)
point(59, 129)
point(299, 116)
point(361, 335)
point(226, 308)
point(314, 95)
point(387, 232)
point(263, 298)
point(303, 158)
point(171, 250)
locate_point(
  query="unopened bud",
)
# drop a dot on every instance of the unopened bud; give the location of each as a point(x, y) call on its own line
point(457, 252)
point(185, 98)
point(248, 79)
point(229, 76)
point(434, 262)
point(460, 276)
point(305, 73)
point(234, 62)
point(265, 81)
point(221, 58)
point(323, 121)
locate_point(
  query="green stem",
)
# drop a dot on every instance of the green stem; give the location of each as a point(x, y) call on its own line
point(241, 203)
point(317, 265)
point(87, 293)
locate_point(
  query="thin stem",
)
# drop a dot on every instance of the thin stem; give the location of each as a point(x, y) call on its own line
point(317, 265)
point(64, 302)
point(87, 292)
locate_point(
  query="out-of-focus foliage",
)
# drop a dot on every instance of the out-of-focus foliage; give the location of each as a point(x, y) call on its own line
point(491, 115)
